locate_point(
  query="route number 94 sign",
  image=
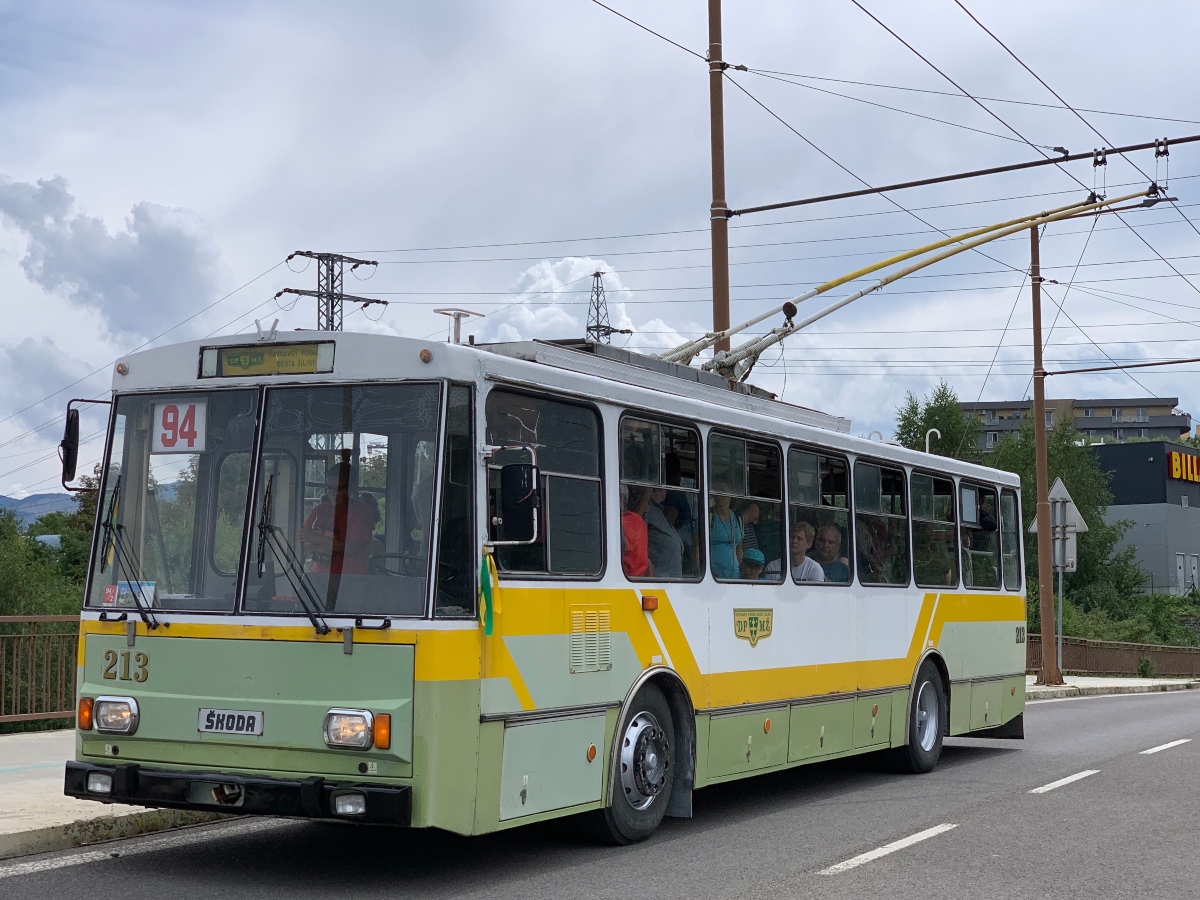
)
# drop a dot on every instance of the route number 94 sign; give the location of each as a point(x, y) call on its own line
point(179, 426)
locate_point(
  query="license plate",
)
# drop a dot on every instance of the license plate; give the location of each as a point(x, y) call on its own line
point(230, 721)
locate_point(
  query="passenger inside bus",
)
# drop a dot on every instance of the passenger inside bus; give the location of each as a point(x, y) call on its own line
point(827, 551)
point(725, 537)
point(635, 558)
point(752, 565)
point(803, 568)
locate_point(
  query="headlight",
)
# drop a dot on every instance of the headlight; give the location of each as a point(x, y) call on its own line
point(115, 715)
point(349, 728)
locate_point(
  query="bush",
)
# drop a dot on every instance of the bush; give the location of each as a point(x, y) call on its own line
point(1146, 667)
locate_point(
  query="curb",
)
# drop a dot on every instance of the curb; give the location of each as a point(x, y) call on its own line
point(1056, 693)
point(94, 830)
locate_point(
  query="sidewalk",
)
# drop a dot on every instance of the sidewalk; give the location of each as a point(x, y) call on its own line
point(35, 815)
point(1087, 685)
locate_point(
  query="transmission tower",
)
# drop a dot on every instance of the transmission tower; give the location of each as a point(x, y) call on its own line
point(329, 293)
point(598, 328)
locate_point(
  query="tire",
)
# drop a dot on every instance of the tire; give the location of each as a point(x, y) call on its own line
point(927, 723)
point(644, 772)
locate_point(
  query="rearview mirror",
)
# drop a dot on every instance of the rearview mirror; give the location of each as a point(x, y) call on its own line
point(518, 505)
point(69, 447)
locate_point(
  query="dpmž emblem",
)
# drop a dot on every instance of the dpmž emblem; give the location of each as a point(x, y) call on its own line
point(752, 624)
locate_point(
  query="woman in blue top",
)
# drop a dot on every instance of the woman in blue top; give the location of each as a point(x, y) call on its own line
point(725, 538)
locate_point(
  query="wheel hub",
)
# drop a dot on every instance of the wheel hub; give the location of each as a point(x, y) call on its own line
point(645, 757)
point(927, 716)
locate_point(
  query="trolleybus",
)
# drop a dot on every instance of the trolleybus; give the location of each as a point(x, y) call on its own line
point(375, 579)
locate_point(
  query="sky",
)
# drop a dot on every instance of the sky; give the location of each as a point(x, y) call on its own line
point(159, 161)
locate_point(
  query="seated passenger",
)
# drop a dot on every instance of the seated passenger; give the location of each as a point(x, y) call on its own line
point(803, 568)
point(752, 564)
point(827, 551)
point(340, 530)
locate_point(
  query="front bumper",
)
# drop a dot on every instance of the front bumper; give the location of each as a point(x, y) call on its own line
point(310, 798)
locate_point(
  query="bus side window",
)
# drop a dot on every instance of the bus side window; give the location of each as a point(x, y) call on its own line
point(566, 438)
point(880, 524)
point(819, 516)
point(745, 483)
point(935, 539)
point(660, 501)
point(980, 537)
point(455, 592)
point(1010, 540)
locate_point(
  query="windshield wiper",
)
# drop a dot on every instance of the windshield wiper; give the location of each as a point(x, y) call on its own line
point(293, 568)
point(123, 563)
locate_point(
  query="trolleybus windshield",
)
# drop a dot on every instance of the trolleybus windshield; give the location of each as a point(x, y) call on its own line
point(345, 525)
point(174, 502)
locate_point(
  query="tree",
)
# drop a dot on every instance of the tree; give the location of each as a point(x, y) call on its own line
point(1108, 585)
point(960, 430)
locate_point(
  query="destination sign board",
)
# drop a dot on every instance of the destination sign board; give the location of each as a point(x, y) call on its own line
point(266, 359)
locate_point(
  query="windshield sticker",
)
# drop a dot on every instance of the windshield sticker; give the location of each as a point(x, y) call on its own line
point(121, 593)
point(179, 427)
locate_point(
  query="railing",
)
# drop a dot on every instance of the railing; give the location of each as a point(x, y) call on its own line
point(1086, 657)
point(37, 667)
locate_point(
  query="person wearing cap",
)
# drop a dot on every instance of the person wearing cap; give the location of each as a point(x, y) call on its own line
point(752, 564)
point(340, 530)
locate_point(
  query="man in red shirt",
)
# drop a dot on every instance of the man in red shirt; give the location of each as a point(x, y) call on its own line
point(341, 529)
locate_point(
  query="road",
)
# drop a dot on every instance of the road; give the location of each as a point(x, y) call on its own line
point(1128, 829)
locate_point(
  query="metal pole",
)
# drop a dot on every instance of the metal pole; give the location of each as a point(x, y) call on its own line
point(1050, 673)
point(719, 211)
point(1060, 563)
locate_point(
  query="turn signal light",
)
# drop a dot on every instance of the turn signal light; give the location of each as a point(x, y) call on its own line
point(382, 731)
point(83, 719)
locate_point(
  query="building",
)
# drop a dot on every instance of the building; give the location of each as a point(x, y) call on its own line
point(1156, 486)
point(1105, 421)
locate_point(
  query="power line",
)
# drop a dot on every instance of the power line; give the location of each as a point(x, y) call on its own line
point(1056, 162)
point(652, 31)
point(896, 87)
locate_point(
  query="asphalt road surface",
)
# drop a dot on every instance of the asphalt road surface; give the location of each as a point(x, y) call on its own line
point(974, 828)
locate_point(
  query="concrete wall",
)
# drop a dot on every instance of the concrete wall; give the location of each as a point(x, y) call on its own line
point(1160, 531)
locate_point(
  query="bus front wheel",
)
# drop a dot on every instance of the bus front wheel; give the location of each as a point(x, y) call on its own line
point(927, 712)
point(645, 770)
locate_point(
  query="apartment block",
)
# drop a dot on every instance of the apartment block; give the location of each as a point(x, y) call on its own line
point(1102, 421)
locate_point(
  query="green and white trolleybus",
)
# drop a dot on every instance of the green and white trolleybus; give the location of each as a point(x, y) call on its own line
point(357, 577)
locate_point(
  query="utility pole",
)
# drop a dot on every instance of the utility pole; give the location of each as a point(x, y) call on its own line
point(1050, 673)
point(329, 293)
point(719, 211)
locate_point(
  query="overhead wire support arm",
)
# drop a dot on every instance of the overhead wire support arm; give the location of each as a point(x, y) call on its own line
point(736, 364)
point(1162, 143)
point(686, 352)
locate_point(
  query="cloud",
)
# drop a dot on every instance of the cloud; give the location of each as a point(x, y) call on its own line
point(164, 266)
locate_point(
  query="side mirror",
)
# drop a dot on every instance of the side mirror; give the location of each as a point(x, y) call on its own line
point(519, 501)
point(69, 446)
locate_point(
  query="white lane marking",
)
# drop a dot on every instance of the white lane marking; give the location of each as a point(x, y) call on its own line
point(136, 846)
point(888, 848)
point(1165, 746)
point(1070, 778)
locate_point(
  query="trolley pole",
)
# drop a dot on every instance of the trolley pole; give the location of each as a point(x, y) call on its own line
point(1050, 673)
point(719, 211)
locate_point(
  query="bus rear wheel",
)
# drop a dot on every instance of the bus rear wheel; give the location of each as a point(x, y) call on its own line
point(927, 712)
point(645, 770)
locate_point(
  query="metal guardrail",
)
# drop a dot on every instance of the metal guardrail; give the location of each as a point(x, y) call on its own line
point(1082, 656)
point(37, 667)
